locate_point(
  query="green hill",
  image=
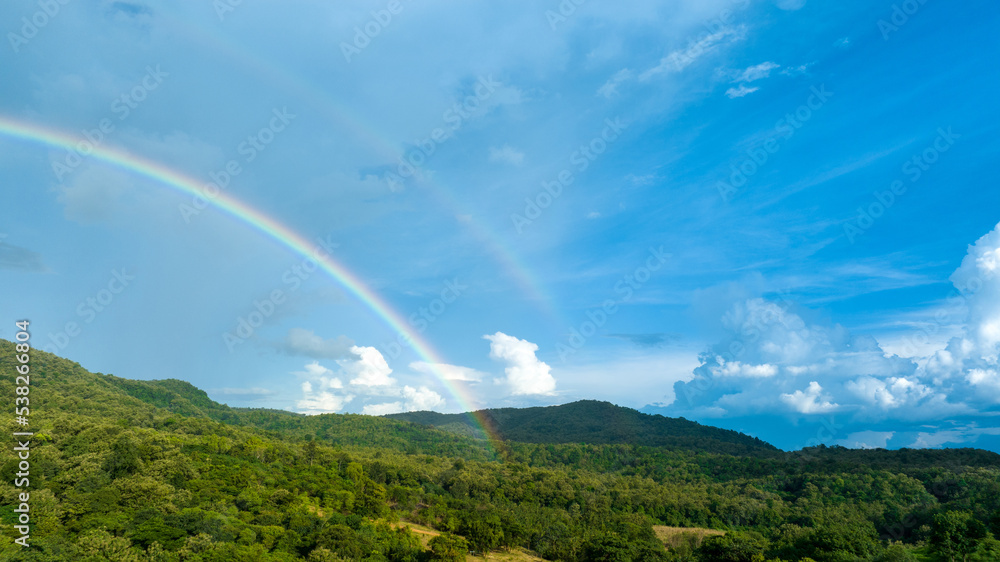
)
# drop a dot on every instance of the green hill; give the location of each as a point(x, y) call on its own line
point(594, 422)
point(155, 471)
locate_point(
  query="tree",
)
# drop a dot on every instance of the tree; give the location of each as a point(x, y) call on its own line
point(607, 547)
point(733, 547)
point(484, 533)
point(955, 535)
point(448, 548)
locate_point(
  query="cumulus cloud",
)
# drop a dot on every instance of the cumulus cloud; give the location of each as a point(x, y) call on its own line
point(370, 369)
point(774, 361)
point(809, 401)
point(414, 399)
point(525, 373)
point(368, 376)
point(321, 401)
point(306, 343)
point(449, 372)
point(318, 390)
point(970, 363)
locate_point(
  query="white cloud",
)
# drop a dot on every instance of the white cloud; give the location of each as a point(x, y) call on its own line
point(321, 402)
point(421, 398)
point(449, 372)
point(762, 365)
point(593, 215)
point(382, 409)
point(370, 369)
point(971, 362)
point(317, 373)
point(507, 154)
point(415, 399)
point(680, 59)
point(740, 92)
point(610, 88)
point(756, 72)
point(317, 390)
point(368, 376)
point(737, 369)
point(810, 401)
point(525, 373)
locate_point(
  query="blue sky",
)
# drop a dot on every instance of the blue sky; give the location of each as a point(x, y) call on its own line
point(772, 216)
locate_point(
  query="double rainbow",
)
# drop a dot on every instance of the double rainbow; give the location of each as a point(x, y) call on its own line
point(266, 225)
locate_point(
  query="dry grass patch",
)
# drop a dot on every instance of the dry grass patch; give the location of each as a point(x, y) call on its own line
point(680, 537)
point(425, 534)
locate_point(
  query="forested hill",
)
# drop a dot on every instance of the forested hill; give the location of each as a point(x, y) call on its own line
point(598, 423)
point(155, 471)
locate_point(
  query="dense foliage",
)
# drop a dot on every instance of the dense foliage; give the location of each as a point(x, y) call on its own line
point(590, 421)
point(154, 470)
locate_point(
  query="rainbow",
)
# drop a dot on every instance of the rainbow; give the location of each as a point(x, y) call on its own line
point(333, 111)
point(268, 226)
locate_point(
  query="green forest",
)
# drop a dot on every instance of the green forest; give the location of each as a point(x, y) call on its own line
point(131, 470)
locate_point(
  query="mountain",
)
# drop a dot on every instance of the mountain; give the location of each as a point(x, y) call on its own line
point(131, 470)
point(594, 422)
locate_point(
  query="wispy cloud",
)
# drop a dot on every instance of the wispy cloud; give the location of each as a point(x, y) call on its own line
point(740, 92)
point(610, 88)
point(680, 59)
point(18, 258)
point(506, 154)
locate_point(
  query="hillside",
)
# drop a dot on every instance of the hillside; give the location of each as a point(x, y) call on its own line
point(599, 423)
point(127, 470)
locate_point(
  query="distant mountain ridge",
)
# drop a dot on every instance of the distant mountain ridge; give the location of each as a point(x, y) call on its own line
point(594, 422)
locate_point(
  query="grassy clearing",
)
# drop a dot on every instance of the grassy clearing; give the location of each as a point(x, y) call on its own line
point(425, 534)
point(681, 537)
